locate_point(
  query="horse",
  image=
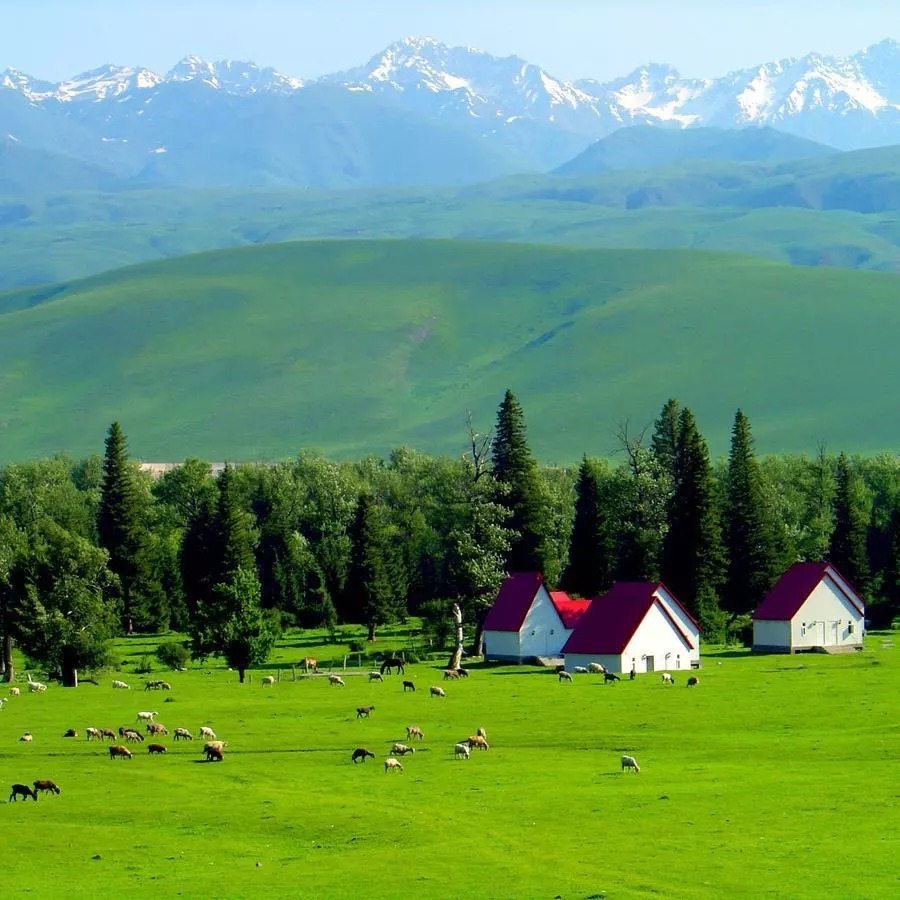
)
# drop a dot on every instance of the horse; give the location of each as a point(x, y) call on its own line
point(393, 662)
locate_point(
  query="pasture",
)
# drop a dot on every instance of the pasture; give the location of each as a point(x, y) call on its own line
point(775, 776)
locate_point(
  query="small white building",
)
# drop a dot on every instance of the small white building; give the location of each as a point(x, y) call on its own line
point(636, 625)
point(812, 607)
point(527, 620)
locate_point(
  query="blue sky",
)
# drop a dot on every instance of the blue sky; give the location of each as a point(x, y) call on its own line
point(55, 39)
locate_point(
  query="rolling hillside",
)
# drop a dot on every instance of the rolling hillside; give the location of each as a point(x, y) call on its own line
point(356, 347)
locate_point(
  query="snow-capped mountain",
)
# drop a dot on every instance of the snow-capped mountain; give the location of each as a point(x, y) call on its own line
point(511, 108)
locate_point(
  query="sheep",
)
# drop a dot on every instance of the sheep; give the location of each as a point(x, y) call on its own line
point(156, 748)
point(107, 733)
point(269, 679)
point(71, 733)
point(131, 735)
point(182, 734)
point(214, 745)
point(414, 731)
point(481, 733)
point(564, 676)
point(666, 678)
point(376, 676)
point(693, 680)
point(476, 740)
point(463, 673)
point(117, 750)
point(120, 685)
point(580, 670)
point(36, 687)
point(461, 751)
point(630, 763)
point(402, 749)
point(392, 764)
point(336, 679)
point(407, 686)
point(207, 732)
point(437, 692)
point(157, 686)
point(156, 728)
point(360, 753)
point(3, 702)
point(146, 716)
point(597, 668)
point(27, 737)
point(93, 733)
point(450, 673)
point(23, 791)
point(214, 754)
point(362, 712)
point(46, 786)
point(610, 678)
point(14, 691)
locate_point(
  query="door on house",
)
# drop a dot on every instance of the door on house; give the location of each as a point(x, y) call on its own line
point(650, 664)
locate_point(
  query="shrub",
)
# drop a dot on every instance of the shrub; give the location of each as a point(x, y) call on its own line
point(173, 654)
point(357, 646)
point(144, 666)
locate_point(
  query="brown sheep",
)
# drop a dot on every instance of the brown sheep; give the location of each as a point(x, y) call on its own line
point(408, 686)
point(476, 740)
point(107, 733)
point(214, 754)
point(693, 680)
point(156, 748)
point(117, 750)
point(71, 733)
point(131, 735)
point(362, 712)
point(450, 673)
point(46, 786)
point(23, 791)
point(414, 731)
point(182, 734)
point(157, 728)
point(360, 753)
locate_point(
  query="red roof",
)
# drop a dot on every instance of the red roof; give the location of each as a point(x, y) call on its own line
point(569, 610)
point(611, 620)
point(792, 590)
point(513, 601)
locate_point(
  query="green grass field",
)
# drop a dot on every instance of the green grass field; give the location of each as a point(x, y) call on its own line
point(776, 776)
point(356, 347)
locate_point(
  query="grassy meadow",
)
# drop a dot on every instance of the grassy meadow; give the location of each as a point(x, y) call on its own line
point(775, 776)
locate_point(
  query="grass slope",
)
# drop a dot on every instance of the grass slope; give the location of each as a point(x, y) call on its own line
point(354, 347)
point(750, 785)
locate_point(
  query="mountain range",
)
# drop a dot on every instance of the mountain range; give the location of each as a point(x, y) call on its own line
point(419, 112)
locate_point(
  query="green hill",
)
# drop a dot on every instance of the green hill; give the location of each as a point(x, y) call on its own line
point(356, 347)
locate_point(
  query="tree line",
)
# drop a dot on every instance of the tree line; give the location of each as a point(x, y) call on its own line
point(95, 548)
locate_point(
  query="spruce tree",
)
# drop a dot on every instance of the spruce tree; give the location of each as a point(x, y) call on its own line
point(666, 433)
point(592, 549)
point(889, 608)
point(121, 522)
point(749, 540)
point(693, 558)
point(848, 540)
point(516, 470)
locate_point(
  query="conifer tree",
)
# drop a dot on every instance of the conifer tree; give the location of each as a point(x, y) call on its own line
point(515, 468)
point(848, 540)
point(752, 557)
point(592, 549)
point(121, 521)
point(666, 432)
point(693, 558)
point(889, 608)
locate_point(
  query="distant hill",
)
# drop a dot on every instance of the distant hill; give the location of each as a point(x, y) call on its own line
point(352, 347)
point(647, 147)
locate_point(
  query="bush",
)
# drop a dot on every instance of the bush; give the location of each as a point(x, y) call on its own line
point(144, 666)
point(357, 646)
point(740, 630)
point(173, 654)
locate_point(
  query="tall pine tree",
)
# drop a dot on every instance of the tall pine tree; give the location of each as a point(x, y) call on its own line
point(749, 540)
point(666, 433)
point(692, 557)
point(516, 470)
point(888, 609)
point(851, 522)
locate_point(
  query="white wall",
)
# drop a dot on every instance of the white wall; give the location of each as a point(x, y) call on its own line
point(655, 637)
point(684, 623)
point(824, 620)
point(542, 631)
point(770, 634)
point(503, 645)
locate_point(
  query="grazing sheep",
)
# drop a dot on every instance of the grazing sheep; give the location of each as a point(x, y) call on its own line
point(23, 791)
point(360, 753)
point(666, 678)
point(93, 733)
point(402, 749)
point(207, 732)
point(392, 764)
point(610, 678)
point(46, 787)
point(564, 676)
point(461, 751)
point(693, 680)
point(463, 673)
point(36, 687)
point(117, 750)
point(27, 737)
point(120, 685)
point(269, 679)
point(156, 728)
point(476, 740)
point(629, 762)
point(437, 692)
point(157, 686)
point(580, 670)
point(71, 733)
point(450, 673)
point(214, 745)
point(107, 733)
point(481, 733)
point(14, 691)
point(408, 686)
point(182, 734)
point(414, 731)
point(336, 679)
point(597, 668)
point(376, 676)
point(3, 702)
point(362, 712)
point(156, 748)
point(146, 716)
point(214, 754)
point(131, 735)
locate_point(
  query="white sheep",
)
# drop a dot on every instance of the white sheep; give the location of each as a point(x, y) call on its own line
point(207, 732)
point(376, 676)
point(581, 670)
point(14, 691)
point(183, 734)
point(336, 679)
point(437, 692)
point(667, 678)
point(121, 685)
point(27, 738)
point(391, 763)
point(2, 702)
point(36, 686)
point(597, 668)
point(146, 716)
point(564, 676)
point(461, 751)
point(629, 762)
point(269, 679)
point(93, 734)
point(402, 749)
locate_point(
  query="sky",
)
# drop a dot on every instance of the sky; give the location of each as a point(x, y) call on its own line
point(55, 39)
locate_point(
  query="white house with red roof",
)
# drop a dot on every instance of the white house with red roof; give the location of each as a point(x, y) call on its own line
point(812, 607)
point(636, 625)
point(527, 620)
